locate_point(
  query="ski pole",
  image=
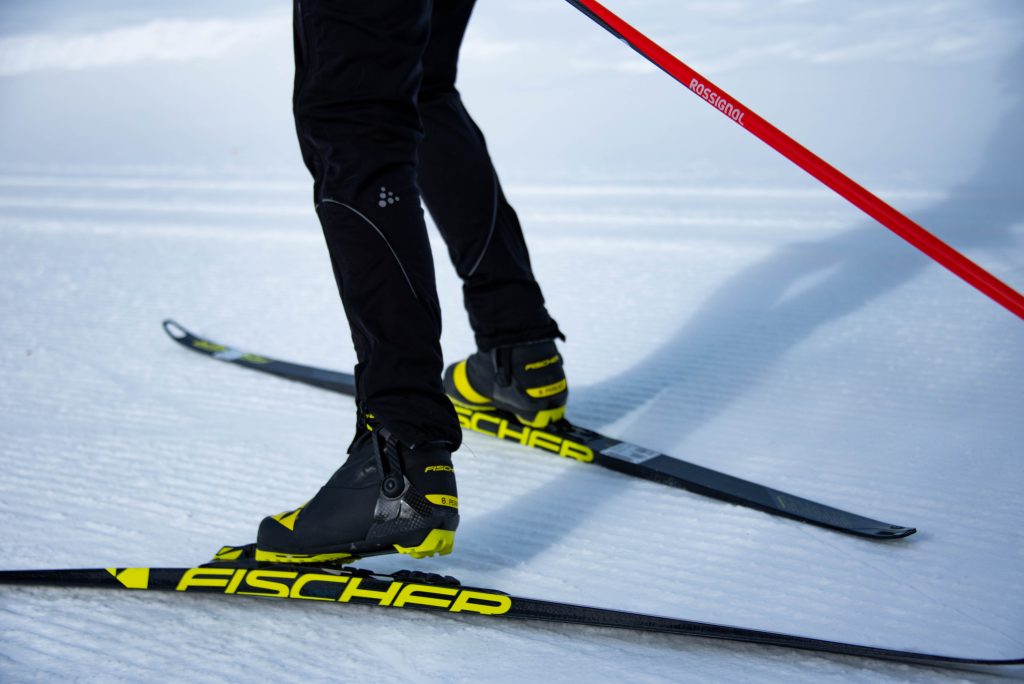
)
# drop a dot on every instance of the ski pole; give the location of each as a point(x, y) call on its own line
point(882, 212)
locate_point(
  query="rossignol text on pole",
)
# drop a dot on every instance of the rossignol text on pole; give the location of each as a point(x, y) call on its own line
point(805, 159)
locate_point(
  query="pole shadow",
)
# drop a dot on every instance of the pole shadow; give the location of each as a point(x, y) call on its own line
point(846, 273)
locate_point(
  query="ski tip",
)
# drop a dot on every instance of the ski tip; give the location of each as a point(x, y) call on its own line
point(175, 330)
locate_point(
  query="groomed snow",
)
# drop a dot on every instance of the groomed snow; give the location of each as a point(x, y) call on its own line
point(719, 305)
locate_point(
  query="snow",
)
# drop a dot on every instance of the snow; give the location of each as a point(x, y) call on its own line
point(720, 306)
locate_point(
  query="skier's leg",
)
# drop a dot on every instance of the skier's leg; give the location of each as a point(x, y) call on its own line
point(358, 70)
point(517, 367)
point(462, 192)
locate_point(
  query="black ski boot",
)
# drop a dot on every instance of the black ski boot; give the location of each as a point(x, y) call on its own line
point(526, 380)
point(387, 497)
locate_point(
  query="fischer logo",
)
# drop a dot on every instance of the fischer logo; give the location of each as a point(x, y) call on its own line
point(497, 426)
point(317, 586)
point(717, 101)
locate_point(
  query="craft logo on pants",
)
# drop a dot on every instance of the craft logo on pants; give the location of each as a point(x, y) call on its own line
point(386, 198)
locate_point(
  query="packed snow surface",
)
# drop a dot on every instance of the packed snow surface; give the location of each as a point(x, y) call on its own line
point(720, 306)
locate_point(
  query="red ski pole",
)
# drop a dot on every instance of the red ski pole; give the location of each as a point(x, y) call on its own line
point(889, 217)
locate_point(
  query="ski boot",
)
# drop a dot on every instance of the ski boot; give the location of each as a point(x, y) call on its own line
point(526, 380)
point(386, 498)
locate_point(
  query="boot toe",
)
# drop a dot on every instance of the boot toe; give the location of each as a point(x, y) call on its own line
point(277, 531)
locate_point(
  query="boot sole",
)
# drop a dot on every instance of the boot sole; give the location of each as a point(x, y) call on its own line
point(437, 542)
point(264, 556)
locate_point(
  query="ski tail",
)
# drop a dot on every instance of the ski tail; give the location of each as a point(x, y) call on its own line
point(335, 381)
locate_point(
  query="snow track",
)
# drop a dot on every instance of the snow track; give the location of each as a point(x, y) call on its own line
point(122, 450)
point(744, 320)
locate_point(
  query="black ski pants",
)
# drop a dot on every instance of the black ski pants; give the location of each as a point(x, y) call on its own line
point(380, 126)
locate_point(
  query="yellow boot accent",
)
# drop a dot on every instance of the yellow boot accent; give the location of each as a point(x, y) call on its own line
point(278, 557)
point(461, 380)
point(548, 390)
point(443, 500)
point(457, 401)
point(228, 553)
point(438, 542)
point(288, 517)
point(543, 418)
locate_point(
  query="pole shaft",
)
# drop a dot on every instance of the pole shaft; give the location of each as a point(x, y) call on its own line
point(859, 196)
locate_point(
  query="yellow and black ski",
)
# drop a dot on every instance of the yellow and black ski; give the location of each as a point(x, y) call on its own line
point(234, 573)
point(587, 446)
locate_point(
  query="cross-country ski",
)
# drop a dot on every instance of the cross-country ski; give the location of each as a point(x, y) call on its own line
point(234, 573)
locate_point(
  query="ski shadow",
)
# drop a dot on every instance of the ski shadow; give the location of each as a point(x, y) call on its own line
point(785, 297)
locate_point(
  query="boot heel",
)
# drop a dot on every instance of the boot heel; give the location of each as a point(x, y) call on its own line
point(436, 543)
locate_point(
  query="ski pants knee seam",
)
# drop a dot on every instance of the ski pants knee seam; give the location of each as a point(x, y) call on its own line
point(382, 236)
point(490, 233)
